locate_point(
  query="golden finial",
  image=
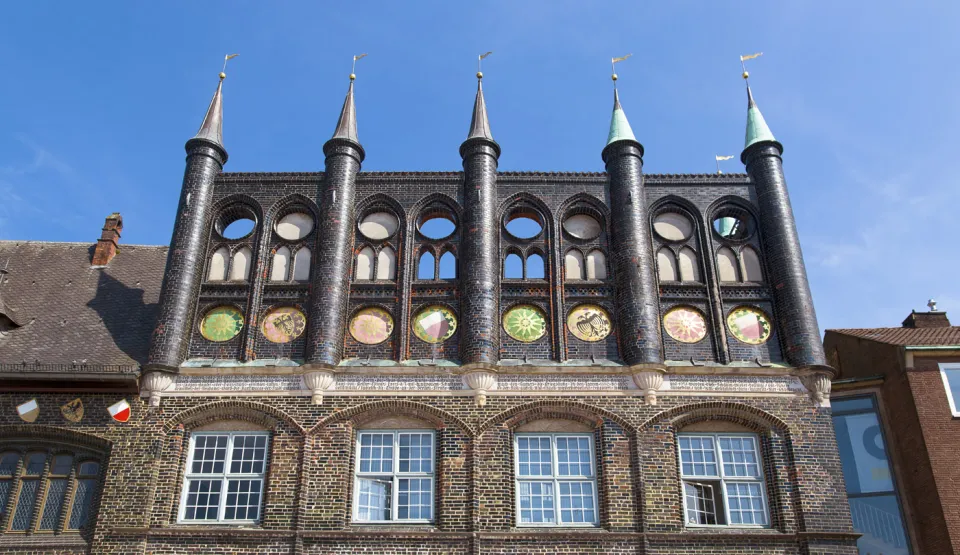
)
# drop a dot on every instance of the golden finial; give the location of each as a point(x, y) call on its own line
point(479, 59)
point(223, 74)
point(353, 69)
point(613, 64)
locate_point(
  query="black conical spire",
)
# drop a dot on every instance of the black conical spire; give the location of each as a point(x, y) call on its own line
point(211, 129)
point(347, 124)
point(480, 125)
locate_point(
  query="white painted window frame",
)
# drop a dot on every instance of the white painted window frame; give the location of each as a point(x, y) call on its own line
point(224, 477)
point(944, 368)
point(395, 475)
point(723, 479)
point(556, 480)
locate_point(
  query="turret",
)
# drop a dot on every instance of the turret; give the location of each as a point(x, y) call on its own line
point(330, 292)
point(800, 333)
point(480, 262)
point(631, 252)
point(185, 261)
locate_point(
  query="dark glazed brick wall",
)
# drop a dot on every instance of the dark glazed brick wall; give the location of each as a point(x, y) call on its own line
point(185, 261)
point(638, 316)
point(327, 318)
point(479, 262)
point(782, 256)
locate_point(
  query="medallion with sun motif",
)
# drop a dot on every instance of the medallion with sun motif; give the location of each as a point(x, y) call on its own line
point(685, 324)
point(525, 323)
point(434, 324)
point(283, 324)
point(221, 324)
point(371, 325)
point(589, 322)
point(749, 325)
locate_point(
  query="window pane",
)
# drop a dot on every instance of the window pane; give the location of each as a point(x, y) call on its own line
point(536, 502)
point(243, 500)
point(852, 404)
point(862, 453)
point(82, 503)
point(8, 463)
point(88, 469)
point(249, 454)
point(203, 499)
point(209, 454)
point(573, 456)
point(34, 464)
point(534, 456)
point(4, 494)
point(576, 503)
point(376, 453)
point(61, 465)
point(698, 456)
point(739, 457)
point(414, 499)
point(416, 452)
point(54, 504)
point(953, 385)
point(374, 499)
point(701, 504)
point(878, 519)
point(745, 502)
point(28, 496)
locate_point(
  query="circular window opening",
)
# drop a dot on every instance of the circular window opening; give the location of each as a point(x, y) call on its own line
point(733, 225)
point(379, 225)
point(672, 226)
point(524, 224)
point(582, 226)
point(436, 224)
point(238, 228)
point(295, 226)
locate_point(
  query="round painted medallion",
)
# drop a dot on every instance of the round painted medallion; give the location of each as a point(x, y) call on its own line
point(434, 324)
point(749, 325)
point(589, 322)
point(221, 324)
point(283, 324)
point(371, 325)
point(525, 323)
point(685, 324)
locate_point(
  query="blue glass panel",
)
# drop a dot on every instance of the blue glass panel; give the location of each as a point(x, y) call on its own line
point(878, 519)
point(862, 453)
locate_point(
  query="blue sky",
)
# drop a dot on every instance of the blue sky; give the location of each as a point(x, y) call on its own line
point(98, 98)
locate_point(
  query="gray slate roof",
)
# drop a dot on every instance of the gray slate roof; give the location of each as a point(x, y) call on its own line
point(70, 312)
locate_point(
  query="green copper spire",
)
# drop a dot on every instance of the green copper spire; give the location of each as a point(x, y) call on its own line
point(619, 126)
point(757, 129)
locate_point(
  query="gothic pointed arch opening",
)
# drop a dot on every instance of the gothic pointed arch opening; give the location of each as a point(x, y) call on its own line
point(218, 265)
point(302, 262)
point(387, 263)
point(280, 268)
point(427, 266)
point(573, 265)
point(666, 265)
point(364, 265)
point(751, 270)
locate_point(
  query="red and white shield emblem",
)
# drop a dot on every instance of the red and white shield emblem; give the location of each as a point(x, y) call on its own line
point(120, 411)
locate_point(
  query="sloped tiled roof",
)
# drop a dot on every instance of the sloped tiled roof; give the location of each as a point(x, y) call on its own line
point(73, 316)
point(949, 335)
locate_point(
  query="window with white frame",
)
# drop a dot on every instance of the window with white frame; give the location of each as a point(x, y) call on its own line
point(951, 381)
point(556, 479)
point(722, 480)
point(394, 480)
point(224, 480)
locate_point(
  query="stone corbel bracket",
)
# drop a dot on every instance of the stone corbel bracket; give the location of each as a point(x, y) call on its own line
point(648, 379)
point(481, 379)
point(819, 381)
point(154, 383)
point(318, 382)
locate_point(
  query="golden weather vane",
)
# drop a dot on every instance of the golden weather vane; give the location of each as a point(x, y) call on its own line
point(228, 57)
point(721, 158)
point(613, 65)
point(746, 74)
point(480, 59)
point(353, 68)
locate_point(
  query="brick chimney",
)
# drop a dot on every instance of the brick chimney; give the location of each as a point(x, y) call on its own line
point(933, 319)
point(107, 244)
